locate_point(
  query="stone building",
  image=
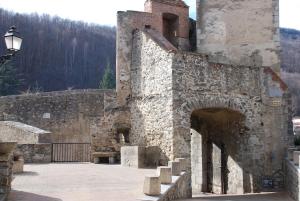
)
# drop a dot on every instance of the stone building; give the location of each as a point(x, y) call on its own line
point(223, 106)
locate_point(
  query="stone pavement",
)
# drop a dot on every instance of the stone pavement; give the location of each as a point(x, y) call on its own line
point(78, 182)
point(248, 197)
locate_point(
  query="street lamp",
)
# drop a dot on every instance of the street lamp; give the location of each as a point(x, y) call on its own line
point(13, 43)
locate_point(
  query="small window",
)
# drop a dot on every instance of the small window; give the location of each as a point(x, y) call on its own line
point(147, 26)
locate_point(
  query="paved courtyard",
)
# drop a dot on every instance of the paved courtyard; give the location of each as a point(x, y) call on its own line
point(78, 182)
point(249, 197)
point(92, 182)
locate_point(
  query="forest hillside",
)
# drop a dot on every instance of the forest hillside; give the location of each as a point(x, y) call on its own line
point(59, 54)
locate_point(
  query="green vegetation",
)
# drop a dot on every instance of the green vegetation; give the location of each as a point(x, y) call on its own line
point(9, 79)
point(108, 79)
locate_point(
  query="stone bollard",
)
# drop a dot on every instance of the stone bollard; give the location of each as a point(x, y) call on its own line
point(175, 168)
point(291, 153)
point(152, 185)
point(165, 174)
point(296, 157)
point(183, 163)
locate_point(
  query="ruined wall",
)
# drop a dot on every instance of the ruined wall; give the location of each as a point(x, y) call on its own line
point(151, 101)
point(161, 92)
point(71, 116)
point(239, 32)
point(159, 8)
point(199, 84)
point(127, 22)
point(152, 18)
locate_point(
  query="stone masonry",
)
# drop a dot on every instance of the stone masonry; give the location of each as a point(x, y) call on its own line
point(242, 32)
point(80, 116)
point(236, 103)
point(224, 108)
point(6, 164)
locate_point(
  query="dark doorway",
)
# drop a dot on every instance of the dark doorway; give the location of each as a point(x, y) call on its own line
point(170, 27)
point(104, 160)
point(216, 163)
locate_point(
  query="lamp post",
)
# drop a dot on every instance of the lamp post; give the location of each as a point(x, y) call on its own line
point(13, 43)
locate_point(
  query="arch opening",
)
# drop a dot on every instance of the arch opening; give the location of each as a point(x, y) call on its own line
point(216, 138)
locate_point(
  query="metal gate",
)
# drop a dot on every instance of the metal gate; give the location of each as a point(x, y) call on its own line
point(71, 152)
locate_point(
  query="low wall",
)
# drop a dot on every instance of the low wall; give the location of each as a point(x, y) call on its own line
point(11, 131)
point(292, 176)
point(6, 164)
point(35, 153)
point(179, 188)
point(70, 115)
point(73, 116)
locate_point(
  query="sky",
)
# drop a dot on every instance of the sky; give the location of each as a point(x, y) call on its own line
point(95, 11)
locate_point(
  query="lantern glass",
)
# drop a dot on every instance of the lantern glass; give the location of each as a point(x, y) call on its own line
point(9, 42)
point(12, 41)
point(17, 42)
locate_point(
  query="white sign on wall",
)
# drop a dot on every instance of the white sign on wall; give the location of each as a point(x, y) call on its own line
point(46, 116)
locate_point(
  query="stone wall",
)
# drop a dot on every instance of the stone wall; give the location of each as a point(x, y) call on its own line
point(22, 134)
point(151, 99)
point(162, 92)
point(152, 18)
point(6, 164)
point(35, 153)
point(79, 116)
point(178, 190)
point(292, 176)
point(200, 84)
point(240, 32)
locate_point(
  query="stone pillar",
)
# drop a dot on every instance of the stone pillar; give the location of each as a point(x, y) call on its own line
point(6, 163)
point(165, 174)
point(175, 167)
point(152, 185)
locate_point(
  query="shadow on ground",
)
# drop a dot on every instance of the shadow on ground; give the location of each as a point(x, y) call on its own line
point(27, 173)
point(248, 197)
point(25, 196)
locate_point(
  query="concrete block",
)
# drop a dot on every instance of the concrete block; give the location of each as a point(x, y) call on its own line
point(175, 167)
point(296, 157)
point(133, 156)
point(152, 186)
point(183, 163)
point(18, 166)
point(165, 174)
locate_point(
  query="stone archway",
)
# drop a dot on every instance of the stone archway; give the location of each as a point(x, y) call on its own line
point(247, 158)
point(215, 160)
